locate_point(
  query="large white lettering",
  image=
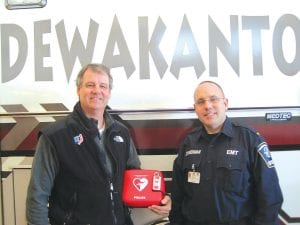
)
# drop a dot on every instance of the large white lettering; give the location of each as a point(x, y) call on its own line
point(186, 53)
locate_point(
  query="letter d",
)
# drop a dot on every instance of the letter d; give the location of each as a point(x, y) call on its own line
point(7, 31)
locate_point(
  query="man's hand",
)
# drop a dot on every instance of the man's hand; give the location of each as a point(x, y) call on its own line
point(164, 208)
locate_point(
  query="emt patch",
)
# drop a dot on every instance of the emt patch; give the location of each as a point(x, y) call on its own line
point(264, 152)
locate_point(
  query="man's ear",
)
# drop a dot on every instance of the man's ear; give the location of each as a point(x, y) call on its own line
point(226, 103)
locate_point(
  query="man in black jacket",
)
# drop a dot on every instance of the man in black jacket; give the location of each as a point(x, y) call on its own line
point(77, 171)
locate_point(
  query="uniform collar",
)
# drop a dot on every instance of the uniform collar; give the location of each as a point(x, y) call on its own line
point(227, 128)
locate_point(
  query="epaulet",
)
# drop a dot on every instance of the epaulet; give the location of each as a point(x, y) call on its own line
point(246, 127)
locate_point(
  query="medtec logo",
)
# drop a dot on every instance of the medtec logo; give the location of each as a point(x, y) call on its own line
point(280, 116)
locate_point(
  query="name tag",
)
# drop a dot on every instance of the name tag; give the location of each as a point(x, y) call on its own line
point(194, 177)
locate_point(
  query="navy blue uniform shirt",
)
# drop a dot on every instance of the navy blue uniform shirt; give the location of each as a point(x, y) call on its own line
point(225, 177)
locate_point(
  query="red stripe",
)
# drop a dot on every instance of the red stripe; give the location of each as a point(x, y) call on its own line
point(170, 136)
point(280, 134)
point(160, 137)
point(29, 142)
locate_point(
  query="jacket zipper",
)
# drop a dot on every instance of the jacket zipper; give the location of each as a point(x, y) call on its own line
point(112, 202)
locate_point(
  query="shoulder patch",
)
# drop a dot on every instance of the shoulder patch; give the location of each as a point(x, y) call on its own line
point(264, 152)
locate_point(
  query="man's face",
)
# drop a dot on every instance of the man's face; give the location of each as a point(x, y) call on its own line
point(210, 106)
point(94, 92)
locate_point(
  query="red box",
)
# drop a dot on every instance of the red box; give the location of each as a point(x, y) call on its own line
point(142, 188)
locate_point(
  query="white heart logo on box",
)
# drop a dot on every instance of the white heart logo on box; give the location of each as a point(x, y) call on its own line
point(140, 183)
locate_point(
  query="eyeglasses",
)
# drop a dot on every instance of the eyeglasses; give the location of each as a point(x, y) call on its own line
point(212, 100)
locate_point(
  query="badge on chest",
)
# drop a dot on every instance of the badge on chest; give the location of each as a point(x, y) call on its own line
point(193, 176)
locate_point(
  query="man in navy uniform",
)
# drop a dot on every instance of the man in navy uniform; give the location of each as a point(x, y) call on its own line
point(224, 173)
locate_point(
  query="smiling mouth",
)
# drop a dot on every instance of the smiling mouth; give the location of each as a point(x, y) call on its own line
point(96, 99)
point(209, 114)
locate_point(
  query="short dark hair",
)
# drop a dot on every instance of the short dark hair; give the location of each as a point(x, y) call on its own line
point(212, 82)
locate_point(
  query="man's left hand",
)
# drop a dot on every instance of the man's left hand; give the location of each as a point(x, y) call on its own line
point(164, 208)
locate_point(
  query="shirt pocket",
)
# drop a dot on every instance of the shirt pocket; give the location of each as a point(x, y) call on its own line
point(191, 162)
point(230, 175)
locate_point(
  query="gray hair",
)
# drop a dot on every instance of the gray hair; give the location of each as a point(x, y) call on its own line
point(95, 67)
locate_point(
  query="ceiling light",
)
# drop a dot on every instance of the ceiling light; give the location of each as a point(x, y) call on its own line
point(25, 4)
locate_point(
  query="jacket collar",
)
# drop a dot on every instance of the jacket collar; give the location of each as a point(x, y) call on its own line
point(90, 124)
